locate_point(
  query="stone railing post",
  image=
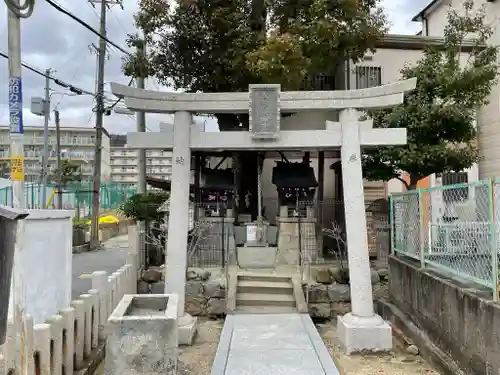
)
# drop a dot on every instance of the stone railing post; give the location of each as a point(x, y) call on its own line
point(100, 283)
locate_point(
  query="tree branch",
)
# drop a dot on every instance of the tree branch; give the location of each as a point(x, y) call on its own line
point(403, 181)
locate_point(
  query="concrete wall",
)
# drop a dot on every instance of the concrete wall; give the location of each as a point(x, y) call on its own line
point(47, 260)
point(464, 323)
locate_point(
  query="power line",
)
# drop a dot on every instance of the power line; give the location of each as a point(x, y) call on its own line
point(86, 25)
point(64, 84)
point(57, 81)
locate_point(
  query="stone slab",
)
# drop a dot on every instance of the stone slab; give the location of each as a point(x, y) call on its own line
point(274, 362)
point(256, 257)
point(277, 344)
point(187, 329)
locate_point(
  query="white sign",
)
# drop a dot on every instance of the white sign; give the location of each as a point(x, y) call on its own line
point(252, 233)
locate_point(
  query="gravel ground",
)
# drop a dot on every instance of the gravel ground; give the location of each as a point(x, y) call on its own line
point(197, 359)
point(398, 362)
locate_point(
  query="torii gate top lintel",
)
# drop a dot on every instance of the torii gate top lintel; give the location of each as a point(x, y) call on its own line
point(240, 102)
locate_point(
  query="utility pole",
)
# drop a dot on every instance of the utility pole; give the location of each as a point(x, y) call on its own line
point(46, 116)
point(58, 161)
point(16, 11)
point(141, 175)
point(94, 230)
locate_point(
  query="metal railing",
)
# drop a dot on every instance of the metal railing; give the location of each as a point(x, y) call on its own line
point(75, 197)
point(454, 229)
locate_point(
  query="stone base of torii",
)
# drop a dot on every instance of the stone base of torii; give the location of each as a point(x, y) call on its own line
point(359, 330)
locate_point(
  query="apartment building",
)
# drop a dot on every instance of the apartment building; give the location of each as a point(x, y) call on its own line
point(124, 161)
point(77, 145)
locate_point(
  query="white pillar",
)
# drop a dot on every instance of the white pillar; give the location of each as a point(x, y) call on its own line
point(176, 257)
point(355, 215)
point(361, 329)
point(175, 280)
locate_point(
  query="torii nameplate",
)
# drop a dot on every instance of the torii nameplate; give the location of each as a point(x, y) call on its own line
point(264, 111)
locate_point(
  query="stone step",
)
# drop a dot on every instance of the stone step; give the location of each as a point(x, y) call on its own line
point(265, 310)
point(263, 277)
point(260, 299)
point(265, 287)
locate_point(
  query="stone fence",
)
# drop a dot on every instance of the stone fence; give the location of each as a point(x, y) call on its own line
point(205, 289)
point(72, 342)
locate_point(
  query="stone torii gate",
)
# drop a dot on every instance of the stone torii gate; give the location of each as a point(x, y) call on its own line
point(359, 330)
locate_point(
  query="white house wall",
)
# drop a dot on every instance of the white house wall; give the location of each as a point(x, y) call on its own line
point(438, 18)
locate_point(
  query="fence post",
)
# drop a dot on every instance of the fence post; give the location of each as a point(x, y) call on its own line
point(494, 255)
point(421, 228)
point(100, 283)
point(392, 230)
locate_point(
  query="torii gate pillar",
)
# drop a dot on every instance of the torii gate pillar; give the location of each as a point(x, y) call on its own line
point(361, 329)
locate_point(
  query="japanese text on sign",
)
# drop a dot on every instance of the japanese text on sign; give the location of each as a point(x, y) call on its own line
point(16, 105)
point(17, 168)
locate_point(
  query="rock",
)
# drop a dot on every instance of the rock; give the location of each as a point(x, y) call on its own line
point(318, 293)
point(340, 274)
point(152, 275)
point(216, 306)
point(336, 274)
point(194, 305)
point(339, 293)
point(214, 289)
point(374, 276)
point(197, 274)
point(340, 308)
point(194, 288)
point(377, 264)
point(319, 310)
point(143, 287)
point(412, 349)
point(383, 273)
point(191, 275)
point(158, 288)
point(323, 276)
point(205, 275)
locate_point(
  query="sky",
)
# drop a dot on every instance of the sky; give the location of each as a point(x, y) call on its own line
point(52, 40)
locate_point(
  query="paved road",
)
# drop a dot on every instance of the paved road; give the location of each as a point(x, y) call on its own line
point(109, 259)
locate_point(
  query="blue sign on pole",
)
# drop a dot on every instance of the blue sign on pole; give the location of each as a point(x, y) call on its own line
point(16, 105)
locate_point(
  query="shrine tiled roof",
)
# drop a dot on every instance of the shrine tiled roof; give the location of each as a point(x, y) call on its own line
point(293, 175)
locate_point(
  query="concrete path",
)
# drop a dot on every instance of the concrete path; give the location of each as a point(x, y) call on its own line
point(272, 344)
point(112, 256)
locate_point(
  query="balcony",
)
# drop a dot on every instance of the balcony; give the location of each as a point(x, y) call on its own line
point(65, 141)
point(83, 156)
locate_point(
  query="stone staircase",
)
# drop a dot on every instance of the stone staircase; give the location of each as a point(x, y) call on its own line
point(260, 293)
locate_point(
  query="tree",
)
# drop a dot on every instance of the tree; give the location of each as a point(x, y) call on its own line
point(144, 206)
point(225, 45)
point(440, 114)
point(68, 173)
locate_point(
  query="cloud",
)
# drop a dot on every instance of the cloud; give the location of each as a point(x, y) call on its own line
point(52, 40)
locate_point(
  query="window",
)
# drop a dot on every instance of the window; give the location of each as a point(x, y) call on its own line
point(453, 195)
point(368, 76)
point(319, 82)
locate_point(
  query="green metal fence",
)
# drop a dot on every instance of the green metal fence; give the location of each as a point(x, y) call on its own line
point(454, 229)
point(77, 197)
